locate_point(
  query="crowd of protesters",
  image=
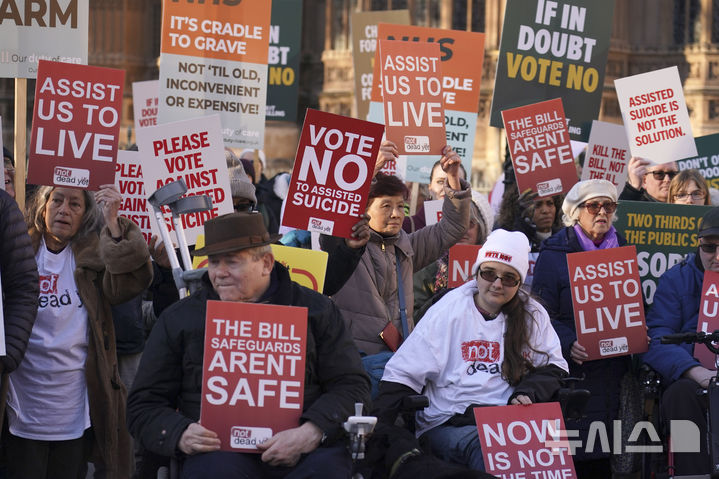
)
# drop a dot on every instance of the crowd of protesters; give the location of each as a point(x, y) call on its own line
point(83, 291)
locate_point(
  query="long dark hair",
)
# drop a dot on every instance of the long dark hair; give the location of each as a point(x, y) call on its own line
point(520, 323)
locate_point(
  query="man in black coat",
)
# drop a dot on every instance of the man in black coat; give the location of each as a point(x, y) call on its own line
point(164, 404)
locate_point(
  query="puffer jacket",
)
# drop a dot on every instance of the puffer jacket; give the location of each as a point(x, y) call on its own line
point(370, 300)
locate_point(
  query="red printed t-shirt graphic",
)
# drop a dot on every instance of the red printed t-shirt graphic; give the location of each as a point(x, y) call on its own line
point(481, 350)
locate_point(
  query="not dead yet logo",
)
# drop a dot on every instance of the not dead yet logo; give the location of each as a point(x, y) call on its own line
point(64, 176)
point(480, 350)
point(244, 437)
point(318, 225)
point(609, 347)
point(48, 283)
point(549, 187)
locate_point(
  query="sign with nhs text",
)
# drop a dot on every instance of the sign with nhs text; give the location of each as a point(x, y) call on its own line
point(333, 169)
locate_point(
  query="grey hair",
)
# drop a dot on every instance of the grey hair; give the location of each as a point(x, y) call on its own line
point(258, 252)
point(92, 219)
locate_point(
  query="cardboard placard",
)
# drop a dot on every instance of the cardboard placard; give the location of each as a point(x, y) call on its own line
point(607, 154)
point(461, 65)
point(524, 442)
point(554, 49)
point(54, 30)
point(461, 259)
point(607, 301)
point(656, 116)
point(412, 96)
point(75, 125)
point(253, 372)
point(364, 46)
point(432, 211)
point(283, 60)
point(540, 148)
point(663, 234)
point(190, 150)
point(707, 159)
point(145, 99)
point(708, 320)
point(332, 173)
point(213, 60)
point(130, 184)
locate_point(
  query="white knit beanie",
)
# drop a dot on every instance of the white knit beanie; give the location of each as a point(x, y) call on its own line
point(583, 191)
point(508, 247)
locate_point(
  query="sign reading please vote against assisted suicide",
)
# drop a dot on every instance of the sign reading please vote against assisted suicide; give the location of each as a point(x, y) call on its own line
point(607, 300)
point(333, 169)
point(253, 371)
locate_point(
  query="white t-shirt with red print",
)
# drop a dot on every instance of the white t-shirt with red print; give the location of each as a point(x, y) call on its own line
point(455, 356)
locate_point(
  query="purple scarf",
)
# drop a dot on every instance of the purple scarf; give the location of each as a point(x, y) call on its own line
point(609, 241)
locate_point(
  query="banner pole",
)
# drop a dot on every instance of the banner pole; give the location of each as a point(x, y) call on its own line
point(20, 140)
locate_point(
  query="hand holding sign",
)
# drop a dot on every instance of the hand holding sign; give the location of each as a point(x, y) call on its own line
point(387, 152)
point(578, 353)
point(360, 233)
point(636, 170)
point(450, 163)
point(109, 199)
point(285, 448)
point(197, 439)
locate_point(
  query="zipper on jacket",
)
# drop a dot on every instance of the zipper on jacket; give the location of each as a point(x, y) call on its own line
point(383, 246)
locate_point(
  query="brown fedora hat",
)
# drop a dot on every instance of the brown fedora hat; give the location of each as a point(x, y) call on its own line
point(234, 232)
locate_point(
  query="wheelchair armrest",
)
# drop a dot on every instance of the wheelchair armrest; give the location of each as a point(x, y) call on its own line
point(414, 403)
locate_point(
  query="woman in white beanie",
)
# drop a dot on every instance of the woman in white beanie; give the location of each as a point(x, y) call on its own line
point(588, 215)
point(484, 343)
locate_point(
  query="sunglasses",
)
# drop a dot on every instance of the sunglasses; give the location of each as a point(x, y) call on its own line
point(595, 208)
point(659, 175)
point(710, 248)
point(489, 275)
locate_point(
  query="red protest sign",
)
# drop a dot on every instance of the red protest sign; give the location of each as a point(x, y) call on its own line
point(524, 442)
point(129, 182)
point(540, 148)
point(412, 96)
point(461, 259)
point(75, 125)
point(253, 371)
point(607, 300)
point(708, 320)
point(333, 169)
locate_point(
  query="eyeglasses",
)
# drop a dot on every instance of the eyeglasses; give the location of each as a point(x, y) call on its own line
point(710, 248)
point(659, 175)
point(595, 208)
point(696, 195)
point(489, 275)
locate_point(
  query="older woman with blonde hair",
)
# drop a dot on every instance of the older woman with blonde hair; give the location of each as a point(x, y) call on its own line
point(689, 188)
point(66, 402)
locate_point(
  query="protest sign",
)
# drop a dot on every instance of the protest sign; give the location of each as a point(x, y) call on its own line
point(75, 125)
point(607, 154)
point(554, 49)
point(192, 151)
point(432, 211)
point(607, 301)
point(461, 259)
point(707, 159)
point(144, 103)
point(396, 167)
point(253, 372)
point(524, 442)
point(54, 30)
point(333, 169)
point(2, 170)
point(708, 320)
point(461, 67)
point(663, 234)
point(213, 60)
point(129, 182)
point(656, 116)
point(540, 148)
point(364, 45)
point(412, 96)
point(284, 60)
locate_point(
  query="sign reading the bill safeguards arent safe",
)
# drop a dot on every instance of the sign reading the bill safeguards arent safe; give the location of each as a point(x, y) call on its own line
point(214, 61)
point(253, 372)
point(75, 125)
point(656, 116)
point(540, 148)
point(333, 169)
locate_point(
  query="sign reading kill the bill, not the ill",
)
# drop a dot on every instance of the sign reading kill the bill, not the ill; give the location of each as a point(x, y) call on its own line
point(130, 184)
point(707, 159)
point(53, 30)
point(540, 148)
point(708, 320)
point(656, 116)
point(461, 57)
point(607, 154)
point(608, 303)
point(412, 96)
point(332, 173)
point(253, 372)
point(461, 259)
point(213, 60)
point(554, 49)
point(525, 442)
point(192, 151)
point(75, 125)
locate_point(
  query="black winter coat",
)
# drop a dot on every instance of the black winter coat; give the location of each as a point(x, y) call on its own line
point(166, 395)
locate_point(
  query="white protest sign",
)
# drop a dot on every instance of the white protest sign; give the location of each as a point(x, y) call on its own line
point(128, 179)
point(607, 154)
point(144, 102)
point(432, 211)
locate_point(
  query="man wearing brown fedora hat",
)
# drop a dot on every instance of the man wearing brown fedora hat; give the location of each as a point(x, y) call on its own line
point(164, 404)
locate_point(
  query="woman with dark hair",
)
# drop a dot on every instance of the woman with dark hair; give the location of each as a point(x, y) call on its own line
point(689, 188)
point(520, 361)
point(66, 403)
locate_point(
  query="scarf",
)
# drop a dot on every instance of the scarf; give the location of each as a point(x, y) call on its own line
point(609, 241)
